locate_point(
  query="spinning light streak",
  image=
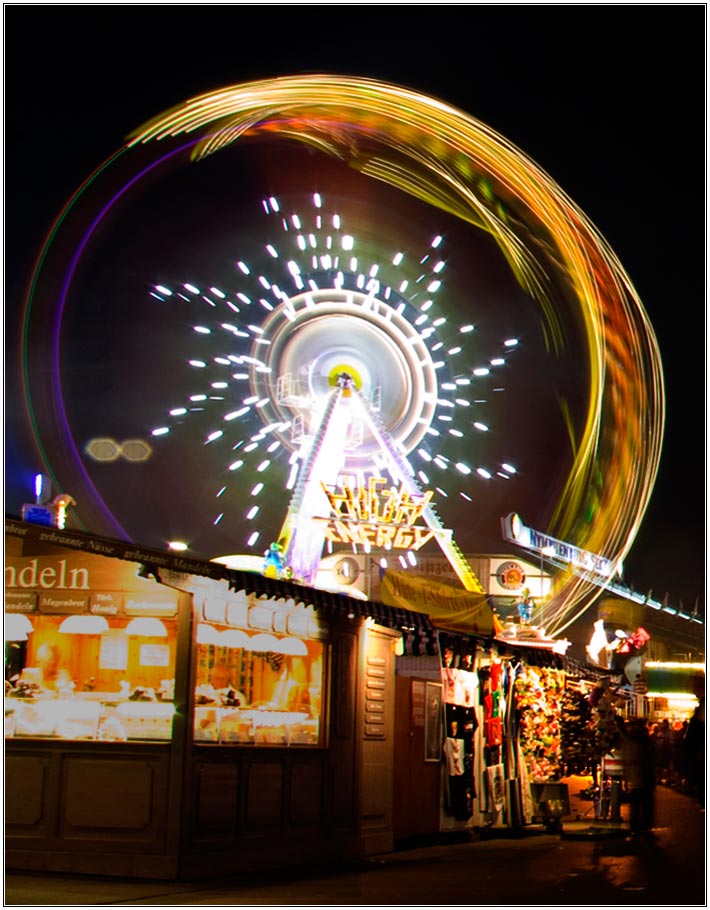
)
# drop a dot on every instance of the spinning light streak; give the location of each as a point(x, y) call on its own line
point(449, 160)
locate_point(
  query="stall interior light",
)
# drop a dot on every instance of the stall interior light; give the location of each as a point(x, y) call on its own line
point(679, 699)
point(147, 627)
point(233, 638)
point(294, 647)
point(84, 625)
point(207, 634)
point(263, 641)
point(17, 627)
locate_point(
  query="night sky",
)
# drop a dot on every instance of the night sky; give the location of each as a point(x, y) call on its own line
point(608, 100)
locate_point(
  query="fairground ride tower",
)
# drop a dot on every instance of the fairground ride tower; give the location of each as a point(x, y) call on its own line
point(336, 422)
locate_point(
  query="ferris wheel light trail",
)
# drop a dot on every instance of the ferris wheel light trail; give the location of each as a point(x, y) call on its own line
point(454, 163)
point(439, 154)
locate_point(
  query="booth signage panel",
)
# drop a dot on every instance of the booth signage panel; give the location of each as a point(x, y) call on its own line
point(74, 572)
point(106, 604)
point(452, 608)
point(509, 577)
point(152, 605)
point(63, 602)
point(20, 601)
point(39, 515)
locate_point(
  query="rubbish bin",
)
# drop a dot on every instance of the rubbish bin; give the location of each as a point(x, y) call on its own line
point(552, 803)
point(613, 770)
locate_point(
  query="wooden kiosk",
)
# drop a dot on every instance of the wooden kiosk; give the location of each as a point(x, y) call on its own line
point(126, 755)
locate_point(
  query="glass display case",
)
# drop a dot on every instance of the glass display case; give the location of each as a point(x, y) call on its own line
point(257, 688)
point(89, 677)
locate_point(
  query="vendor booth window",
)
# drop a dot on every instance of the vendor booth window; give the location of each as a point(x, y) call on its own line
point(87, 676)
point(259, 689)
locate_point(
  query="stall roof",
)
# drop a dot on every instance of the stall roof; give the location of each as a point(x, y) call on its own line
point(156, 561)
point(421, 635)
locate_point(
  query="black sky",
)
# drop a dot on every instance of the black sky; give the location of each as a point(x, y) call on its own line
point(609, 99)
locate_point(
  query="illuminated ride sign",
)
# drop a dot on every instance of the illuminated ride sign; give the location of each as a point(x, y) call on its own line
point(516, 532)
point(594, 568)
point(377, 516)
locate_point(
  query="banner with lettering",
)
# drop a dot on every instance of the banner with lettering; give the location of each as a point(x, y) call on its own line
point(449, 608)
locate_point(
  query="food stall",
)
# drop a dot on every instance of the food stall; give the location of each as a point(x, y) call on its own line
point(170, 718)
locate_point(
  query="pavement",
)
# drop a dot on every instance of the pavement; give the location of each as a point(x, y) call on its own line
point(590, 862)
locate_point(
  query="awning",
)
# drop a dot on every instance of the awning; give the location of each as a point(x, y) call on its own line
point(449, 608)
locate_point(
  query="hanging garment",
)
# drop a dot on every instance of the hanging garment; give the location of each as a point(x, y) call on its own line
point(448, 678)
point(493, 731)
point(455, 755)
point(495, 787)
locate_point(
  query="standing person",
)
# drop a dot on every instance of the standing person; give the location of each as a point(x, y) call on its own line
point(639, 755)
point(53, 677)
point(694, 744)
point(663, 747)
point(221, 689)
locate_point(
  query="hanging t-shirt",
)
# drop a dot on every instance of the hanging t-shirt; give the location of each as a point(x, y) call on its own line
point(495, 787)
point(470, 688)
point(448, 677)
point(454, 752)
